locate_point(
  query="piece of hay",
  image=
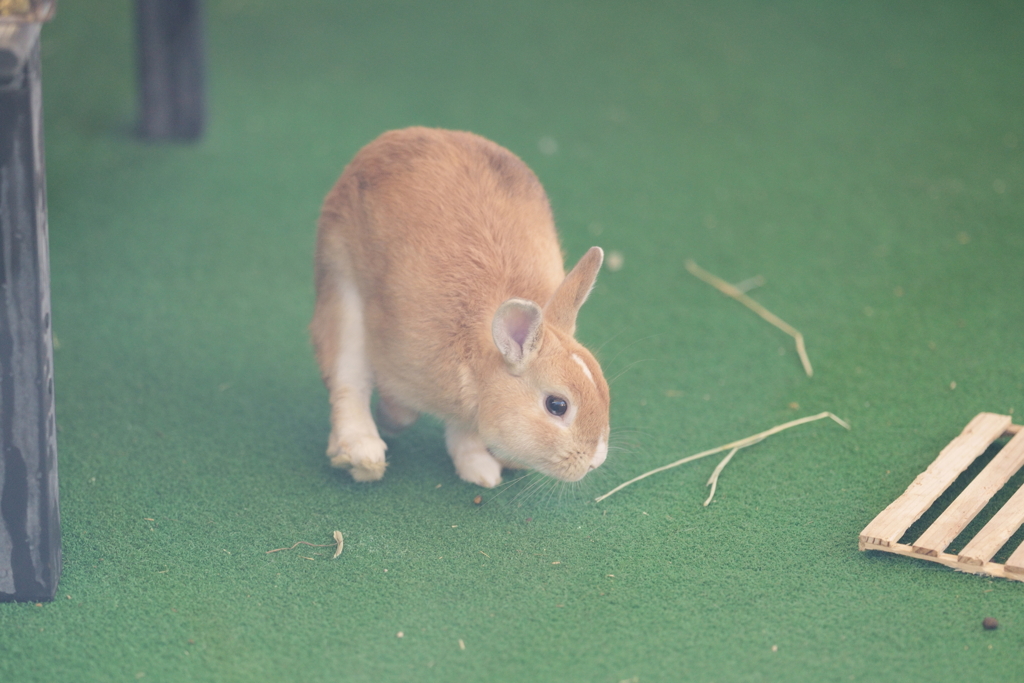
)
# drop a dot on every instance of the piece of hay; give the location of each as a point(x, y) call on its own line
point(713, 481)
point(297, 544)
point(742, 443)
point(339, 543)
point(738, 294)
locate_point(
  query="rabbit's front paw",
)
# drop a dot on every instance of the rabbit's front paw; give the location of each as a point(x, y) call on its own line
point(479, 468)
point(473, 462)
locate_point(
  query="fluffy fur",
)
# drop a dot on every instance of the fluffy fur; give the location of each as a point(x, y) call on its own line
point(440, 281)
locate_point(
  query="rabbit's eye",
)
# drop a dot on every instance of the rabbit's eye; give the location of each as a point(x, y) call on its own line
point(556, 406)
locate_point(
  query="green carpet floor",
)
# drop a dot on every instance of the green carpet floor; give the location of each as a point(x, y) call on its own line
point(866, 158)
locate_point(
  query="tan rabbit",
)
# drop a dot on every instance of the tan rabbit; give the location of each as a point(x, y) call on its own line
point(439, 280)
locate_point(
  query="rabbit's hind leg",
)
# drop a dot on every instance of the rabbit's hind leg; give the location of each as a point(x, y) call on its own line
point(339, 336)
point(391, 416)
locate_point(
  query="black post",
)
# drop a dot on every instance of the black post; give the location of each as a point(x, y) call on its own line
point(30, 559)
point(169, 35)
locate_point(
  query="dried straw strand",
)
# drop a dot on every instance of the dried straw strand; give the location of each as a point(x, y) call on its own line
point(713, 481)
point(748, 441)
point(736, 293)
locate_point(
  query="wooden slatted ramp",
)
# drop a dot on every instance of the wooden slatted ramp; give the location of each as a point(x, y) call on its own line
point(885, 531)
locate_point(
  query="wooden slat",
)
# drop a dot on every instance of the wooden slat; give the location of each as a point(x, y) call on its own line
point(890, 524)
point(972, 499)
point(997, 532)
point(1015, 563)
point(988, 568)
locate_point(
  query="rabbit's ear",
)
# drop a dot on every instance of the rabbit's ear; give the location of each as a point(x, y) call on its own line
point(575, 288)
point(516, 329)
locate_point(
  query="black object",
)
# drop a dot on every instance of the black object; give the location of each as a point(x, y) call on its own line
point(172, 101)
point(30, 559)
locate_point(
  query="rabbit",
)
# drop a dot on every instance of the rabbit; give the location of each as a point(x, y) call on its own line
point(440, 281)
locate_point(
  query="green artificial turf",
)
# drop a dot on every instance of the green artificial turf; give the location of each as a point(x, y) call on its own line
point(865, 158)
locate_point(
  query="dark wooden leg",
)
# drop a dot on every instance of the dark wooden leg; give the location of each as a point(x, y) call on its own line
point(30, 559)
point(172, 102)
